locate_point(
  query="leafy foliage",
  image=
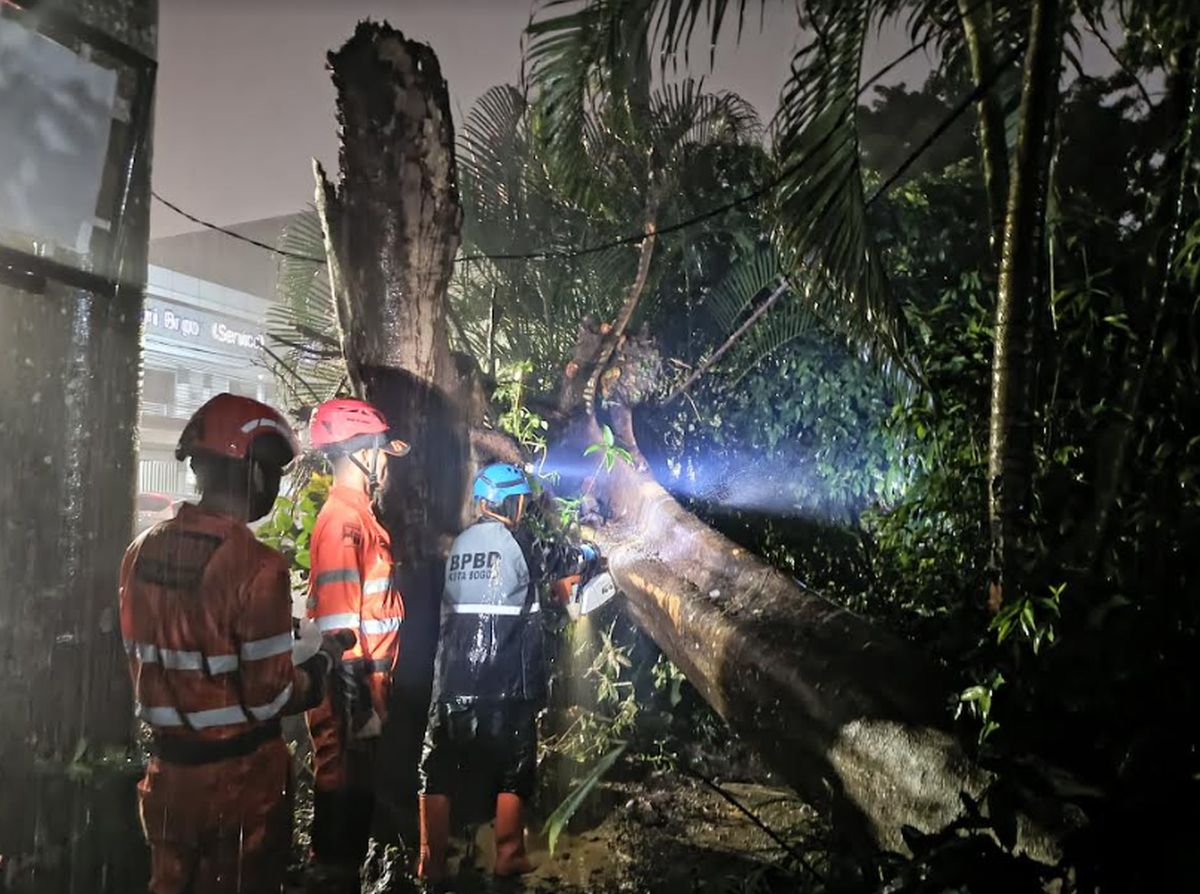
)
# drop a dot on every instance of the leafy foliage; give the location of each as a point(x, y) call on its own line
point(290, 525)
point(680, 142)
point(526, 426)
point(557, 821)
point(610, 451)
point(1061, 669)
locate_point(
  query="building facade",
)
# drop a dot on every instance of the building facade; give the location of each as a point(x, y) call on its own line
point(203, 328)
point(199, 339)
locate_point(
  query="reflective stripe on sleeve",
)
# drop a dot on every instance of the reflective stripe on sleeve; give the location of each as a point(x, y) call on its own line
point(175, 659)
point(158, 716)
point(337, 622)
point(337, 576)
point(165, 715)
point(222, 664)
point(376, 626)
point(181, 659)
point(268, 647)
point(217, 717)
point(378, 585)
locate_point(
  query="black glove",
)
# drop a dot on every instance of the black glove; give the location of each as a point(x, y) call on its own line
point(349, 693)
point(351, 697)
point(322, 665)
point(334, 644)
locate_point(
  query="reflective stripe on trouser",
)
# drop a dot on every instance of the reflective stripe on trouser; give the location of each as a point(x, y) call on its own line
point(220, 828)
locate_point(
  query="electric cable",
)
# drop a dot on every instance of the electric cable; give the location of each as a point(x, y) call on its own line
point(636, 238)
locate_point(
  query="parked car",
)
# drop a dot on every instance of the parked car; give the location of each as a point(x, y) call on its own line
point(153, 508)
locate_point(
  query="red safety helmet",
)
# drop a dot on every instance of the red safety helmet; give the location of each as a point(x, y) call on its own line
point(345, 424)
point(233, 426)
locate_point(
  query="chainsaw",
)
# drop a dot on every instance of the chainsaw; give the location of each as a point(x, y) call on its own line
point(589, 587)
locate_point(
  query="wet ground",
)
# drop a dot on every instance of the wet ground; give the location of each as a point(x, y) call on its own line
point(662, 833)
point(666, 834)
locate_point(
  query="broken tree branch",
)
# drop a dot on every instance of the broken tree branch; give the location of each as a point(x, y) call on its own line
point(730, 342)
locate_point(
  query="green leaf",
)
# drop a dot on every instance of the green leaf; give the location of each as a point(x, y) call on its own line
point(593, 448)
point(559, 819)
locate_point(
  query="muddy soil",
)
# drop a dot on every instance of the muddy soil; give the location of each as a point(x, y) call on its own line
point(665, 834)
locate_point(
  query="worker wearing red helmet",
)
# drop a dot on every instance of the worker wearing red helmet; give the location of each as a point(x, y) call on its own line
point(207, 623)
point(351, 587)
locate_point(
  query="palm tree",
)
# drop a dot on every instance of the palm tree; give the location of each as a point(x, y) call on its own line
point(631, 152)
point(819, 202)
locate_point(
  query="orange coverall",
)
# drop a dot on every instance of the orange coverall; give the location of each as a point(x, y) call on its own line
point(206, 619)
point(351, 586)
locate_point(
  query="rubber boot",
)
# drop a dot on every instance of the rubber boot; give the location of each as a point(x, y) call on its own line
point(434, 817)
point(510, 836)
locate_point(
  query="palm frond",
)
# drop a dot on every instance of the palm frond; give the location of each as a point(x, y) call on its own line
point(819, 204)
point(575, 56)
point(677, 19)
point(733, 301)
point(513, 206)
point(749, 277)
point(789, 320)
point(303, 343)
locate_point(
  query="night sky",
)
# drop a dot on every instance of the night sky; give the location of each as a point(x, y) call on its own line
point(244, 101)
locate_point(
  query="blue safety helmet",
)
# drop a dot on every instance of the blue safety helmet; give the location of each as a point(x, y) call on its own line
point(498, 482)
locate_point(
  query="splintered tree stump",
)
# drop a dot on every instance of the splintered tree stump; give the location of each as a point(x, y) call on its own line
point(392, 226)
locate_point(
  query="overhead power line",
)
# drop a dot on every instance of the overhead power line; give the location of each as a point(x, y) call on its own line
point(228, 232)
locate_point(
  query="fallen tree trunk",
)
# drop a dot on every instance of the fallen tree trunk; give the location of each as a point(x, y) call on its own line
point(850, 716)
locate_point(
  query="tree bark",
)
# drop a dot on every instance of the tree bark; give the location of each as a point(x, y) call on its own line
point(583, 372)
point(392, 227)
point(976, 21)
point(1021, 284)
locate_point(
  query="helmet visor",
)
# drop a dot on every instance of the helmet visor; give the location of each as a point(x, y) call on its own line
point(395, 447)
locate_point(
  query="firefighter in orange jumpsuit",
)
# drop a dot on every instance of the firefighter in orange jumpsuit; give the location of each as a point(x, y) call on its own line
point(207, 623)
point(351, 587)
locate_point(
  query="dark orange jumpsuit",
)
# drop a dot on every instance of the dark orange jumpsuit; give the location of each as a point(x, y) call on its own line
point(351, 586)
point(206, 619)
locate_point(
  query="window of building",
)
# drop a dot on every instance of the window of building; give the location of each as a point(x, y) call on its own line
point(158, 386)
point(244, 388)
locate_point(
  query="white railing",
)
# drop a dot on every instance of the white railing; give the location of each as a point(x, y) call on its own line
point(158, 476)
